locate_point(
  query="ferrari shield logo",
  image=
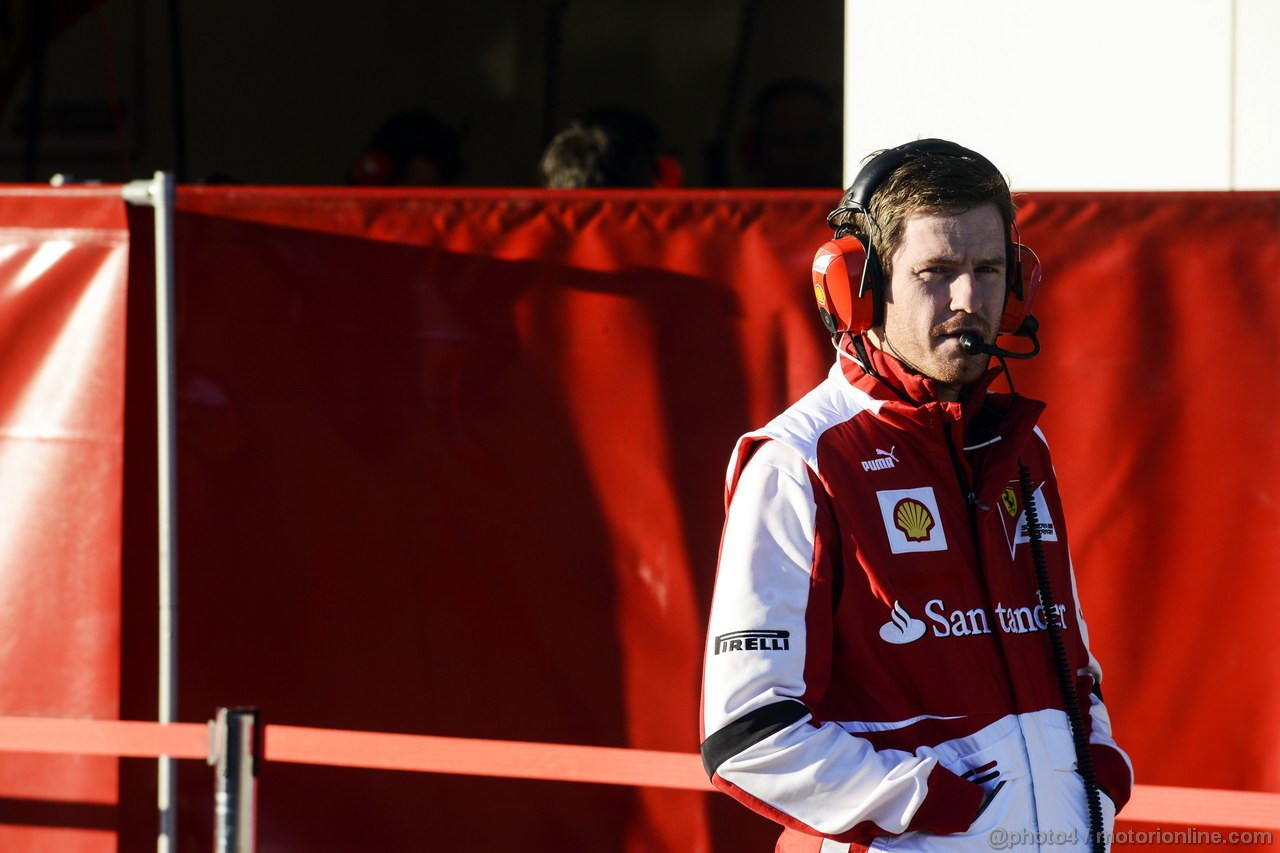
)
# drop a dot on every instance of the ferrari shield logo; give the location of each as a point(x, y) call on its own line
point(1009, 499)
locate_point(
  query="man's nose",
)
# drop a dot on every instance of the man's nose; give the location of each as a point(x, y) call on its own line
point(964, 292)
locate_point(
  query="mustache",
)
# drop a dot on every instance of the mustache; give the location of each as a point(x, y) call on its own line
point(963, 323)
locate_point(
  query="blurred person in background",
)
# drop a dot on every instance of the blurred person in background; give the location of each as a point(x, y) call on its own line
point(413, 149)
point(794, 137)
point(608, 147)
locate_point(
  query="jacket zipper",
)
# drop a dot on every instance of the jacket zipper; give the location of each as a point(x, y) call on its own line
point(972, 504)
point(966, 490)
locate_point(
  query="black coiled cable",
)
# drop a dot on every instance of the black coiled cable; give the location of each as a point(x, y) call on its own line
point(1066, 678)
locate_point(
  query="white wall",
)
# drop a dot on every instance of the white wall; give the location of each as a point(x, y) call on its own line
point(1093, 94)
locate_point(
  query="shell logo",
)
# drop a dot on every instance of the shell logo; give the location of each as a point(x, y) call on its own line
point(913, 519)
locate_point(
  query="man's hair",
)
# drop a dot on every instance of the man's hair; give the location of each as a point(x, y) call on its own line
point(607, 147)
point(928, 183)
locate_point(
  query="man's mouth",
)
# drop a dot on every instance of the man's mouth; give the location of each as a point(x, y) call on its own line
point(960, 330)
point(949, 337)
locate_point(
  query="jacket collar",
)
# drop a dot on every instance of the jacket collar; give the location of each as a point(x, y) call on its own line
point(906, 393)
point(994, 426)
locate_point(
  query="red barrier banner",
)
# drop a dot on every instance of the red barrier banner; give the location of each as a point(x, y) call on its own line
point(62, 298)
point(451, 464)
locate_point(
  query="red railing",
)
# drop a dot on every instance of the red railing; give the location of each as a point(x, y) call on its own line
point(1197, 807)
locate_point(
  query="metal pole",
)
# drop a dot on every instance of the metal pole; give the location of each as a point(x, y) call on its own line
point(716, 153)
point(234, 752)
point(551, 75)
point(34, 108)
point(159, 194)
point(178, 97)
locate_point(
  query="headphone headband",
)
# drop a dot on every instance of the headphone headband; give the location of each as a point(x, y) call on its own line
point(879, 167)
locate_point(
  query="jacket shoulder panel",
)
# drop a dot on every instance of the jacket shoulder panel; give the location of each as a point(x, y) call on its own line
point(802, 426)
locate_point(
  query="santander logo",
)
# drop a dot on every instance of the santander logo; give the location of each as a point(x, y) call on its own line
point(901, 628)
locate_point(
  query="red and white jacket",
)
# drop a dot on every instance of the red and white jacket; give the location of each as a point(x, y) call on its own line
point(877, 656)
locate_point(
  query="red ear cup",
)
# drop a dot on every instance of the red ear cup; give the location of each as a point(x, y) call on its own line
point(1025, 279)
point(838, 269)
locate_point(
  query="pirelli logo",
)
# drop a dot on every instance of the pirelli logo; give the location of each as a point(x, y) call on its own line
point(753, 641)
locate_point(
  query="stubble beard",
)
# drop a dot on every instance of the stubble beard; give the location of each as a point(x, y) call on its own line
point(939, 358)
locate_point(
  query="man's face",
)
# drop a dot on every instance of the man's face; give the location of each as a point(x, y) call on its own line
point(948, 278)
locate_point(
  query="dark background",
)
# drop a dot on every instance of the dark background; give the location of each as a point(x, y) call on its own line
point(292, 92)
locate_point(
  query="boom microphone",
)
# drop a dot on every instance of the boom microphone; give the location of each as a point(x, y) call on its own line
point(973, 344)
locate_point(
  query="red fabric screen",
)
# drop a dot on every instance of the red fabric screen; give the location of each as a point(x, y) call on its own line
point(62, 297)
point(451, 463)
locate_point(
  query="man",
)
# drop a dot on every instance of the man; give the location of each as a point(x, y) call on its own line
point(606, 147)
point(884, 666)
point(793, 139)
point(414, 149)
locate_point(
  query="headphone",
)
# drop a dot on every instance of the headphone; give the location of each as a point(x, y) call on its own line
point(846, 308)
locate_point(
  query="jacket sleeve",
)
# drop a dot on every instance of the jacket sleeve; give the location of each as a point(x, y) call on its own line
point(766, 665)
